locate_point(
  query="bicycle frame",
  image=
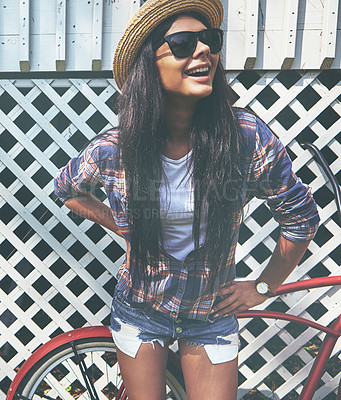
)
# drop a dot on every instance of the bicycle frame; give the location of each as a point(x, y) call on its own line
point(332, 335)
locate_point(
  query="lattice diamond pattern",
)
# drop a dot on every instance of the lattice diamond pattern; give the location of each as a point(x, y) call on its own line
point(57, 270)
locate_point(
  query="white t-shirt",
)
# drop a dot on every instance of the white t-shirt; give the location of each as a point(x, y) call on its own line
point(177, 207)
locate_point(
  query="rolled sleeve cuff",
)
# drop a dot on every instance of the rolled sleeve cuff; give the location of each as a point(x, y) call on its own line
point(301, 233)
point(60, 190)
point(296, 212)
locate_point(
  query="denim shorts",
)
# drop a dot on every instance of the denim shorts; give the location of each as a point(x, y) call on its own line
point(131, 326)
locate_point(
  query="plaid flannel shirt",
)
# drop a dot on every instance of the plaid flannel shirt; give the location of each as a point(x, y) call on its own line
point(178, 288)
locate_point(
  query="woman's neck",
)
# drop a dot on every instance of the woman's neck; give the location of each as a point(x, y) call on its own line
point(179, 115)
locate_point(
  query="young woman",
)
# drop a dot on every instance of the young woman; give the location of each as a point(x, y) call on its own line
point(177, 173)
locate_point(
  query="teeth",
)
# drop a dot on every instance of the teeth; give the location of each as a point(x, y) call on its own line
point(199, 70)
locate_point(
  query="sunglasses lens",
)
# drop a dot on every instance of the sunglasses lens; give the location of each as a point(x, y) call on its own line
point(213, 38)
point(182, 44)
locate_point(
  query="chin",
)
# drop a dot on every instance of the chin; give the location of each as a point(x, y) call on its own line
point(202, 93)
point(194, 93)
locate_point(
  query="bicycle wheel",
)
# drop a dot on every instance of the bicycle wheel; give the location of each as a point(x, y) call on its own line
point(85, 369)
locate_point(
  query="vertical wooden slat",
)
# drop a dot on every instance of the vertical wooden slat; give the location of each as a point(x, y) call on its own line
point(289, 34)
point(97, 28)
point(134, 6)
point(329, 33)
point(61, 35)
point(299, 34)
point(24, 34)
point(251, 33)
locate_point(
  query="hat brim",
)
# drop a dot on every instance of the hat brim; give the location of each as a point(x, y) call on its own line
point(148, 17)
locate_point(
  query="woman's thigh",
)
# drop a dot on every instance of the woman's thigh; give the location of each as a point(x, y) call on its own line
point(205, 380)
point(144, 376)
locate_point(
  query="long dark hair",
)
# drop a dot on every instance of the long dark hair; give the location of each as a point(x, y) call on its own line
point(216, 139)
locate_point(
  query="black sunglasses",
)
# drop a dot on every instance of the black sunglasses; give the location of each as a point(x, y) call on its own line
point(183, 44)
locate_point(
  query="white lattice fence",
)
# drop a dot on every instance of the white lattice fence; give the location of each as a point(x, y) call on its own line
point(57, 270)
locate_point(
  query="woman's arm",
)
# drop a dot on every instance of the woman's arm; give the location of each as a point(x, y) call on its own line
point(89, 207)
point(243, 294)
point(292, 206)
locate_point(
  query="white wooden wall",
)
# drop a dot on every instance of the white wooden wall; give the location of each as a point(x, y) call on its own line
point(81, 35)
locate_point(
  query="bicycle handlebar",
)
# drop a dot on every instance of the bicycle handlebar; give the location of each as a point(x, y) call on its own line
point(309, 284)
point(335, 185)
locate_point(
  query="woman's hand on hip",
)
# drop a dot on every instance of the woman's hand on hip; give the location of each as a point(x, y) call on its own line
point(241, 296)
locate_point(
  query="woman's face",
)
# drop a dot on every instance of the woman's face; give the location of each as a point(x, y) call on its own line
point(176, 72)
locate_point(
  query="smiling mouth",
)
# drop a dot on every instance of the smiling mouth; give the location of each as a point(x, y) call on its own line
point(203, 71)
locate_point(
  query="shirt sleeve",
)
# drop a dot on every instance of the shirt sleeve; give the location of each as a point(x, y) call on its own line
point(80, 175)
point(272, 178)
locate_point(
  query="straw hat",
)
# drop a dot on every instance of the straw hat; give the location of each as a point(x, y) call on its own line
point(148, 17)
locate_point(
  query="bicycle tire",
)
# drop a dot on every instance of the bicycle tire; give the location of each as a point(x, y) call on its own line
point(58, 376)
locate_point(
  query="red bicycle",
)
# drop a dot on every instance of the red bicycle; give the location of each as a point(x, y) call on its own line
point(82, 364)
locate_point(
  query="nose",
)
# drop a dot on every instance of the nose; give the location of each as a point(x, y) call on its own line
point(201, 49)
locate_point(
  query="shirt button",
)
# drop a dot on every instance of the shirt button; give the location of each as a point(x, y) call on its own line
point(174, 313)
point(179, 329)
point(178, 321)
point(180, 290)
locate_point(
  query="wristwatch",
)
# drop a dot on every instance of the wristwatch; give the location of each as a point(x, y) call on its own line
point(263, 289)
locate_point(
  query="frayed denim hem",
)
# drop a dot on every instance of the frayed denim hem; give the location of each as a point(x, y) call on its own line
point(225, 349)
point(128, 338)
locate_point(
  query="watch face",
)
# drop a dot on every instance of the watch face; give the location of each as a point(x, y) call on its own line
point(262, 288)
